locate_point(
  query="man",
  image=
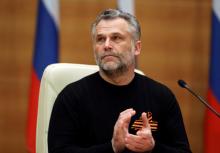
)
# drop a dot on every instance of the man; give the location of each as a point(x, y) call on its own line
point(116, 110)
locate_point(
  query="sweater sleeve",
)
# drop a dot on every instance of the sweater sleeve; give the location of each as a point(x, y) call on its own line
point(66, 135)
point(173, 135)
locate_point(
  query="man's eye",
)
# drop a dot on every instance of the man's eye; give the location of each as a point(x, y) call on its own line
point(100, 39)
point(116, 38)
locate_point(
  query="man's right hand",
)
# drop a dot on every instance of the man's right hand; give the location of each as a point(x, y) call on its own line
point(121, 130)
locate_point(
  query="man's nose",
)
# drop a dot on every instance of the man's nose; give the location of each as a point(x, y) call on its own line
point(107, 44)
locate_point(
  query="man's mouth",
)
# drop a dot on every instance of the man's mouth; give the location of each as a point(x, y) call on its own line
point(109, 56)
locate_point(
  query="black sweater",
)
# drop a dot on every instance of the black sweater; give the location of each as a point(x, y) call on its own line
point(85, 112)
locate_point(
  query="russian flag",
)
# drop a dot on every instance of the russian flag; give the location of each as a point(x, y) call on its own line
point(212, 122)
point(45, 53)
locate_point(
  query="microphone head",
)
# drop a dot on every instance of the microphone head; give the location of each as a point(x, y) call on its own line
point(182, 83)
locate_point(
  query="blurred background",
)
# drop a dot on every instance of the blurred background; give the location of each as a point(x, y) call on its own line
point(175, 45)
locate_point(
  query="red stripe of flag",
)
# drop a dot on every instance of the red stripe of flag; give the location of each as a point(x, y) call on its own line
point(32, 112)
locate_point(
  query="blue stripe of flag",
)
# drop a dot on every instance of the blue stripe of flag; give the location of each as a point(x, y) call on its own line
point(215, 57)
point(46, 47)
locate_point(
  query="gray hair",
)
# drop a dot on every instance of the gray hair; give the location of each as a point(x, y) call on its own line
point(111, 14)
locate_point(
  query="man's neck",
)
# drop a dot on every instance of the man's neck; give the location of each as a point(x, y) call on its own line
point(123, 78)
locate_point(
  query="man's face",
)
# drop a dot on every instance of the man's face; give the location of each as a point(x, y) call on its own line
point(113, 45)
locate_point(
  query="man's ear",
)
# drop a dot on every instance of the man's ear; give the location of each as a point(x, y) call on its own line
point(137, 47)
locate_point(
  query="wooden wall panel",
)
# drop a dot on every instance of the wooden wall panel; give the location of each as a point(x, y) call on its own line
point(76, 19)
point(17, 23)
point(175, 38)
point(176, 46)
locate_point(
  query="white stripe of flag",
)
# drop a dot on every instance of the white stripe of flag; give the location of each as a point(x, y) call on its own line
point(53, 9)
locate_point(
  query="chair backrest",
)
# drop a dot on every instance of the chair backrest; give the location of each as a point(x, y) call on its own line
point(54, 79)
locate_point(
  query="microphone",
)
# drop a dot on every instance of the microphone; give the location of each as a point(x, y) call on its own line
point(183, 84)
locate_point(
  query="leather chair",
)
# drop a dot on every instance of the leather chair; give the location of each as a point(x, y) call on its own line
point(54, 79)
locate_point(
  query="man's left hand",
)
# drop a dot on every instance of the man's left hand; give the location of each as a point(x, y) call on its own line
point(143, 141)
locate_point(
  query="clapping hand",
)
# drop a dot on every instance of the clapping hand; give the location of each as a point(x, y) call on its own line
point(143, 141)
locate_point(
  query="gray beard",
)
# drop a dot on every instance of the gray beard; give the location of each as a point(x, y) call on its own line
point(121, 69)
point(116, 72)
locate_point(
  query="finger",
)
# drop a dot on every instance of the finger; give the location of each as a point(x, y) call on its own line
point(138, 143)
point(126, 112)
point(145, 131)
point(124, 119)
point(127, 118)
point(126, 115)
point(145, 120)
point(134, 148)
point(133, 140)
point(134, 143)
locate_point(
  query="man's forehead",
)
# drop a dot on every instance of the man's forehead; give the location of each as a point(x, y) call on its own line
point(117, 25)
point(113, 21)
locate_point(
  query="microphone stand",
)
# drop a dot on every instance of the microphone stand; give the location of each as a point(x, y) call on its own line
point(184, 85)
